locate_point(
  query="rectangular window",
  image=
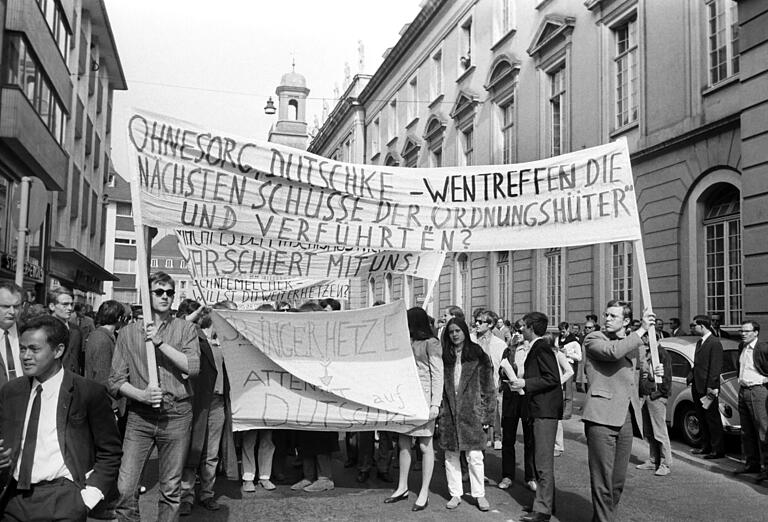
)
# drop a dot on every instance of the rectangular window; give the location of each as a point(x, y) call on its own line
point(437, 75)
point(554, 286)
point(169, 263)
point(621, 271)
point(412, 102)
point(124, 209)
point(557, 110)
point(465, 51)
point(723, 37)
point(392, 126)
point(54, 17)
point(436, 157)
point(153, 263)
point(626, 73)
point(125, 266)
point(723, 270)
point(502, 273)
point(508, 132)
point(124, 241)
point(468, 145)
point(124, 295)
point(506, 16)
point(375, 136)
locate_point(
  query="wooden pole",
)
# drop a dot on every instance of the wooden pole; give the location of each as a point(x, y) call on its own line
point(645, 289)
point(143, 275)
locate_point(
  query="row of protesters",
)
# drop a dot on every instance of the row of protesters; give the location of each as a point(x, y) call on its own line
point(60, 450)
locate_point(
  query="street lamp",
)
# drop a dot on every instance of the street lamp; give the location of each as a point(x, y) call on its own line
point(270, 109)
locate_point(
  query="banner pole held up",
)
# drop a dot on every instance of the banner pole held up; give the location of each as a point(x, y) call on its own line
point(645, 289)
point(143, 274)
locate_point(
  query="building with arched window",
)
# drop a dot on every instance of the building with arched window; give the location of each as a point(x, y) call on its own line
point(499, 81)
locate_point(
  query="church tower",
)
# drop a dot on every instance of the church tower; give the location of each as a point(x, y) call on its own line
point(291, 126)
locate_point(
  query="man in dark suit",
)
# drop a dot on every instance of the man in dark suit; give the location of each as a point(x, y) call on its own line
point(61, 302)
point(48, 410)
point(10, 304)
point(612, 401)
point(674, 325)
point(753, 397)
point(544, 395)
point(714, 321)
point(705, 380)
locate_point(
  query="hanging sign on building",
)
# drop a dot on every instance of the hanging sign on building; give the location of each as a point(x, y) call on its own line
point(193, 178)
point(350, 370)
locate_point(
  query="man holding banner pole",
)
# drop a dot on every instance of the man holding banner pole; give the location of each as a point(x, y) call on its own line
point(158, 416)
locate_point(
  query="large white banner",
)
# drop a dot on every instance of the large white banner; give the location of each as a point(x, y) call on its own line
point(193, 178)
point(349, 370)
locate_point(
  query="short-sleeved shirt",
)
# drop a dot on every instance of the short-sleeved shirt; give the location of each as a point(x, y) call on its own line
point(129, 363)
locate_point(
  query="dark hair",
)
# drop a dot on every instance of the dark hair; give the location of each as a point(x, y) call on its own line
point(161, 278)
point(311, 306)
point(419, 326)
point(281, 304)
point(754, 324)
point(674, 320)
point(333, 303)
point(186, 307)
point(456, 312)
point(537, 322)
point(471, 350)
point(110, 312)
point(266, 307)
point(379, 302)
point(626, 307)
point(56, 332)
point(53, 295)
point(12, 288)
point(591, 317)
point(563, 326)
point(703, 320)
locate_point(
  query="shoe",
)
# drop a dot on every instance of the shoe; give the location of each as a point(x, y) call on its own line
point(482, 504)
point(531, 484)
point(267, 484)
point(303, 483)
point(505, 483)
point(383, 476)
point(210, 504)
point(558, 453)
point(761, 477)
point(362, 476)
point(646, 465)
point(714, 456)
point(321, 484)
point(535, 517)
point(746, 469)
point(248, 486)
point(393, 499)
point(701, 451)
point(453, 503)
point(420, 507)
point(185, 509)
point(663, 470)
point(497, 445)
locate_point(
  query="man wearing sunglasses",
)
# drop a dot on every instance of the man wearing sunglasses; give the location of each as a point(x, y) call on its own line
point(158, 416)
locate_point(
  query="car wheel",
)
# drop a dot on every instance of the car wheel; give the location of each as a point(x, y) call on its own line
point(688, 424)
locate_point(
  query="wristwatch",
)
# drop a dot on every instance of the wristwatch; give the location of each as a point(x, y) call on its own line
point(157, 345)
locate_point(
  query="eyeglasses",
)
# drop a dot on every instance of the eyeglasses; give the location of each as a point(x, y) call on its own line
point(160, 291)
point(479, 321)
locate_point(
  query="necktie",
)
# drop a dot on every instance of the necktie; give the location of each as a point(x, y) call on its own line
point(10, 366)
point(30, 441)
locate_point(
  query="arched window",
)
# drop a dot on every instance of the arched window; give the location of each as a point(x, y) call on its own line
point(293, 110)
point(722, 251)
point(434, 138)
point(502, 84)
point(388, 288)
point(371, 291)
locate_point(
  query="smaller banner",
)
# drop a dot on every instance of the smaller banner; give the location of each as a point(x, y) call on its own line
point(348, 370)
point(248, 294)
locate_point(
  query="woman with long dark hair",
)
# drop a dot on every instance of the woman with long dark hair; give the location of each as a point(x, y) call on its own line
point(429, 365)
point(467, 411)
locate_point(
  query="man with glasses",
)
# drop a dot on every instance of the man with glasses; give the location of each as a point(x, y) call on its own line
point(158, 416)
point(10, 305)
point(753, 396)
point(61, 302)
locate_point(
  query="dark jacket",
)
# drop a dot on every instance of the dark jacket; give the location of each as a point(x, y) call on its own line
point(707, 365)
point(72, 359)
point(463, 415)
point(649, 386)
point(99, 348)
point(542, 382)
point(85, 425)
point(760, 357)
point(511, 399)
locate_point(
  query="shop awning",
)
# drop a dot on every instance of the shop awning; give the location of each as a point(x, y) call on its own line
point(74, 268)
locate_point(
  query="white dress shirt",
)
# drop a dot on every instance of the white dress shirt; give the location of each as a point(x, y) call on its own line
point(49, 461)
point(748, 375)
point(13, 337)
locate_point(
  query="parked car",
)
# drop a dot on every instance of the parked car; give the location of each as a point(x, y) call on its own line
point(681, 415)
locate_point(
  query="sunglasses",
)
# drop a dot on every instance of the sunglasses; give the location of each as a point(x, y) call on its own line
point(159, 292)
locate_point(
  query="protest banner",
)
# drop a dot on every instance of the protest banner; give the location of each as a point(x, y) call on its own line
point(198, 179)
point(350, 370)
point(248, 294)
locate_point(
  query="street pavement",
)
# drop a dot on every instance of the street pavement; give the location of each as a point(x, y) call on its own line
point(696, 490)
